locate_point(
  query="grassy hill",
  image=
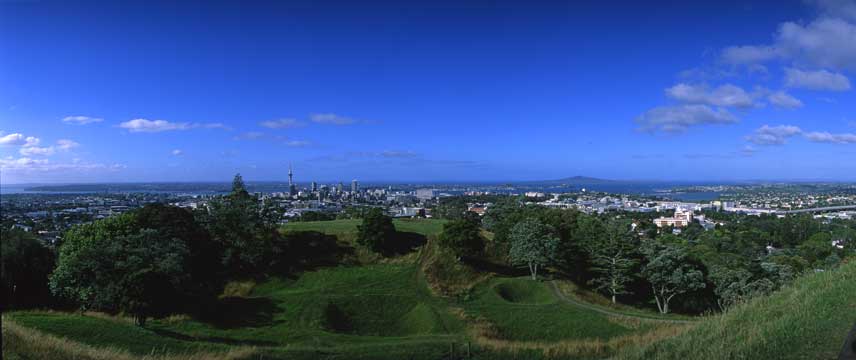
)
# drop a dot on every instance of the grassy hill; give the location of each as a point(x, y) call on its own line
point(377, 311)
point(366, 311)
point(807, 320)
point(393, 310)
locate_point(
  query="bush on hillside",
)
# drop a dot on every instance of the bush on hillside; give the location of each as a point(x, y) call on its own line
point(245, 227)
point(377, 231)
point(24, 270)
point(463, 237)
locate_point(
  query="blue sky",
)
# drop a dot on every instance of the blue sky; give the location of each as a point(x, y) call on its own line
point(410, 91)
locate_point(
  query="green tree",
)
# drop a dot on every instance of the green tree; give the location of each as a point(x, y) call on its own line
point(612, 259)
point(734, 286)
point(244, 227)
point(451, 208)
point(376, 231)
point(669, 273)
point(590, 233)
point(107, 266)
point(85, 272)
point(152, 273)
point(24, 269)
point(463, 237)
point(817, 248)
point(533, 244)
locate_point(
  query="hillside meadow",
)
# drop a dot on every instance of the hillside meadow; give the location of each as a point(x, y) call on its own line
point(399, 309)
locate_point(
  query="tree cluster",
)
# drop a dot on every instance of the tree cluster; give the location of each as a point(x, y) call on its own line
point(162, 259)
point(624, 256)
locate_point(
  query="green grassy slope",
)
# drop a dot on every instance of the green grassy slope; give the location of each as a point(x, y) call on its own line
point(103, 331)
point(807, 320)
point(522, 309)
point(427, 227)
point(382, 305)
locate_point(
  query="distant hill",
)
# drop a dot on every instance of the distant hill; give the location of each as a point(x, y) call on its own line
point(575, 180)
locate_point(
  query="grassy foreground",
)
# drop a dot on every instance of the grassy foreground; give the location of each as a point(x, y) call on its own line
point(807, 320)
point(382, 311)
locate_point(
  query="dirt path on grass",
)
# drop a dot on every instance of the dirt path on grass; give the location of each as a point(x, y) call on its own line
point(564, 298)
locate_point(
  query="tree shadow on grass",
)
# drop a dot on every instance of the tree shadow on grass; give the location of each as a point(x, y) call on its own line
point(404, 242)
point(499, 269)
point(312, 249)
point(213, 339)
point(236, 312)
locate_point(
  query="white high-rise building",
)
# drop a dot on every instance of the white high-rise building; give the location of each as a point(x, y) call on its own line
point(680, 219)
point(426, 194)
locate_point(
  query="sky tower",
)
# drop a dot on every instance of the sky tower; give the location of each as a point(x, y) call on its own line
point(292, 189)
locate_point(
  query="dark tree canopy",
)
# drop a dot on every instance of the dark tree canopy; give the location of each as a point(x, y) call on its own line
point(114, 265)
point(244, 227)
point(463, 236)
point(24, 269)
point(377, 231)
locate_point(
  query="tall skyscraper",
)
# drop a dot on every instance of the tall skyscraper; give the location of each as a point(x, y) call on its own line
point(314, 186)
point(292, 188)
point(355, 186)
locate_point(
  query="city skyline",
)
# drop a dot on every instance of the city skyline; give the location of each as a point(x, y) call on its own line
point(157, 91)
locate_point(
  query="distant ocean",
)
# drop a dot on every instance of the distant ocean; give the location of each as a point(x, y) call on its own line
point(15, 189)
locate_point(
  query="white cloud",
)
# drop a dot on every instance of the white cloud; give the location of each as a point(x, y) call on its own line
point(725, 95)
point(837, 8)
point(297, 143)
point(250, 135)
point(81, 120)
point(676, 119)
point(30, 145)
point(32, 141)
point(398, 154)
point(37, 151)
point(331, 119)
point(749, 54)
point(26, 165)
point(9, 163)
point(66, 144)
point(152, 126)
point(211, 126)
point(144, 125)
point(281, 124)
point(784, 100)
point(177, 152)
point(826, 137)
point(816, 80)
point(12, 140)
point(826, 42)
point(773, 135)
